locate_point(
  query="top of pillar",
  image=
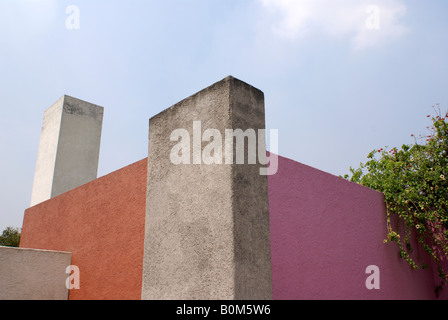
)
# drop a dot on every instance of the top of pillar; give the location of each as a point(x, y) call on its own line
point(228, 82)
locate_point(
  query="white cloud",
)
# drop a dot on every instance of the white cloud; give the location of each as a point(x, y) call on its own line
point(296, 19)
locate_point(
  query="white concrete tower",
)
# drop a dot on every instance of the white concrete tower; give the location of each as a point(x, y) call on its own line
point(69, 148)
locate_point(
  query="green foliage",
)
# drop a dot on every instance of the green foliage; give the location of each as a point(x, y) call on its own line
point(10, 237)
point(414, 182)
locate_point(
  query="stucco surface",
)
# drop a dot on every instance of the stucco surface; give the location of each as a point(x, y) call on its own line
point(33, 274)
point(79, 145)
point(68, 149)
point(47, 152)
point(102, 224)
point(325, 232)
point(207, 226)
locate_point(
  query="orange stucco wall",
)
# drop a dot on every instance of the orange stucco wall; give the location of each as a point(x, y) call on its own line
point(103, 224)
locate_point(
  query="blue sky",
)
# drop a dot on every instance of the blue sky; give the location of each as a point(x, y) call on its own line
point(335, 89)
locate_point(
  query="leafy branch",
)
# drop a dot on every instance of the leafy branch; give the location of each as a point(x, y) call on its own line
point(414, 182)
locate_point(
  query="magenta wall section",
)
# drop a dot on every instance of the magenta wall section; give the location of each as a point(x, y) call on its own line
point(325, 232)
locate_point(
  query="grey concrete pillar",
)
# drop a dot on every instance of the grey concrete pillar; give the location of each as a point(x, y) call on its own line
point(207, 225)
point(69, 148)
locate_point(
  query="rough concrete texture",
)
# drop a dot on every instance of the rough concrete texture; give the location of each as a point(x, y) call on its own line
point(207, 226)
point(33, 274)
point(69, 148)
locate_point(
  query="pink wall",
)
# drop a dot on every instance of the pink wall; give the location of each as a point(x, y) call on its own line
point(325, 232)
